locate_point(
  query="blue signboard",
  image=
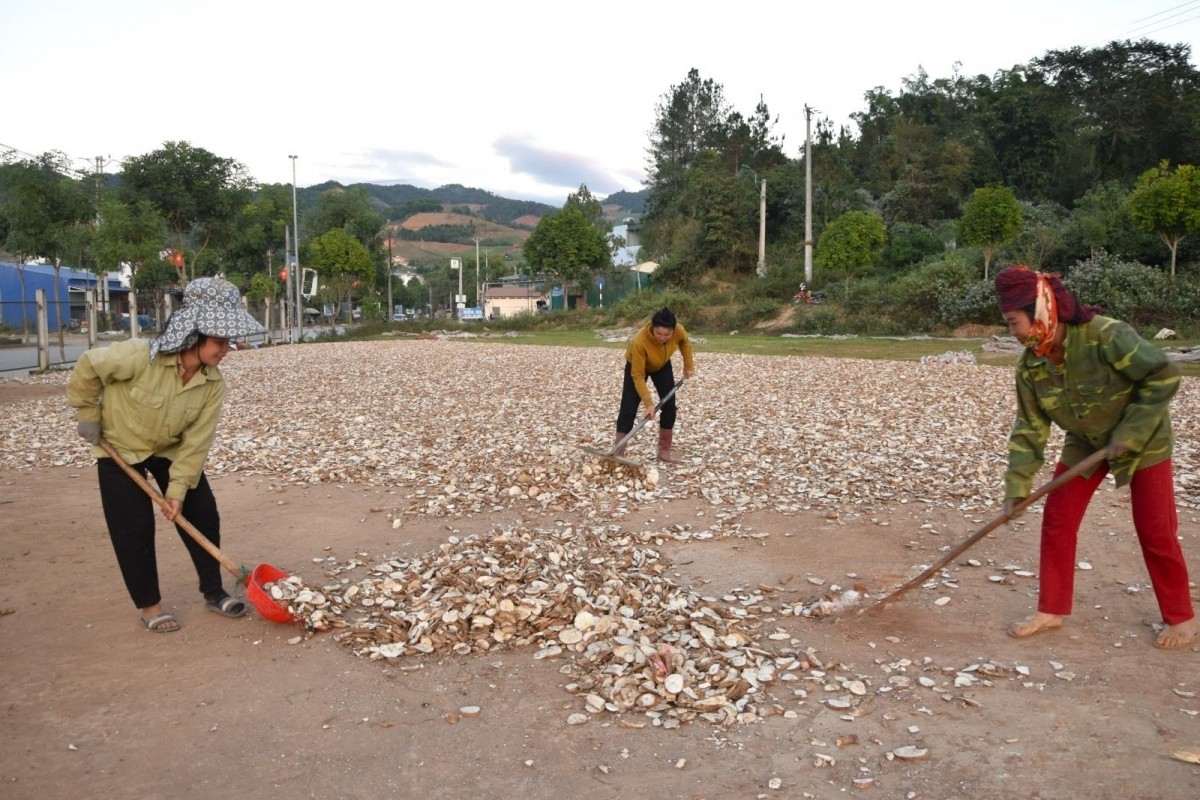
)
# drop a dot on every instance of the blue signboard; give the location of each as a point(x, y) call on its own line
point(473, 312)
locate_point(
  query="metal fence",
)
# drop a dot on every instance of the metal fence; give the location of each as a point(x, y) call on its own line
point(35, 347)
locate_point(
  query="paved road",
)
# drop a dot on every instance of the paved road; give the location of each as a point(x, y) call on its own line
point(17, 361)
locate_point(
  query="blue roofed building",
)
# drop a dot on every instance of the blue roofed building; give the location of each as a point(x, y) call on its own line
point(20, 282)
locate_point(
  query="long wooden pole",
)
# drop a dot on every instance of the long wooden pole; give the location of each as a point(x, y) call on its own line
point(239, 572)
point(1074, 472)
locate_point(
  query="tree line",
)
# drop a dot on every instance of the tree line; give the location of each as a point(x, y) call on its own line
point(1079, 153)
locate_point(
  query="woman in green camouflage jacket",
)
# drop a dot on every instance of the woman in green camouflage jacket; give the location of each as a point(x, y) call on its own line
point(1108, 389)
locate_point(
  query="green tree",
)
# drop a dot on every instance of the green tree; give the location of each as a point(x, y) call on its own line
point(257, 233)
point(992, 218)
point(589, 206)
point(348, 209)
point(851, 242)
point(1099, 214)
point(343, 264)
point(197, 193)
point(1043, 230)
point(567, 246)
point(1167, 202)
point(689, 119)
point(264, 288)
point(129, 234)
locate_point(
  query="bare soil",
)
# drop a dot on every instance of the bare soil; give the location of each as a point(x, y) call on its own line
point(94, 706)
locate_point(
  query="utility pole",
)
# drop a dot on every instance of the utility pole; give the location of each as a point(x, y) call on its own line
point(762, 229)
point(478, 299)
point(101, 271)
point(285, 318)
point(460, 299)
point(295, 267)
point(391, 308)
point(808, 235)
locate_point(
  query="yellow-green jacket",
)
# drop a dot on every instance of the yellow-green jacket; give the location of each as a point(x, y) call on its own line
point(1113, 386)
point(144, 409)
point(645, 355)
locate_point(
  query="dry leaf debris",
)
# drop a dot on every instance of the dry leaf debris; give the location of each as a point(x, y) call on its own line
point(632, 642)
point(461, 430)
point(472, 428)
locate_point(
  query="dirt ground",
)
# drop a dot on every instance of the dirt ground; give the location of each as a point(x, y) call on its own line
point(96, 707)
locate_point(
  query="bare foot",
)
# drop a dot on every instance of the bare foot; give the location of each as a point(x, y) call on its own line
point(1036, 624)
point(1176, 637)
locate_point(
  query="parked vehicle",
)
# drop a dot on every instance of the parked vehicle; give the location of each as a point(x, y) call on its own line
point(143, 322)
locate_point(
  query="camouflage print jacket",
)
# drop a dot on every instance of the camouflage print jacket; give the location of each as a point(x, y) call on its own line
point(1113, 386)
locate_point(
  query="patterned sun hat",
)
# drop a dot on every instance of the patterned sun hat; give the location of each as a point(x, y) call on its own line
point(211, 306)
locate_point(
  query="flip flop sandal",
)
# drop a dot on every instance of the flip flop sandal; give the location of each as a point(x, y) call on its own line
point(227, 606)
point(163, 623)
point(1181, 644)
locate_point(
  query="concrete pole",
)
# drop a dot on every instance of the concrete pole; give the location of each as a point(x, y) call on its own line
point(90, 302)
point(478, 299)
point(391, 306)
point(762, 229)
point(43, 329)
point(296, 249)
point(288, 269)
point(808, 234)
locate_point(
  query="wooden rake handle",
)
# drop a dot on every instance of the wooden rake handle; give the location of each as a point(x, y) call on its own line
point(642, 423)
point(162, 502)
point(1074, 472)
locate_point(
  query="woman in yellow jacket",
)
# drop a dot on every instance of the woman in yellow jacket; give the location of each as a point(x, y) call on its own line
point(158, 404)
point(649, 356)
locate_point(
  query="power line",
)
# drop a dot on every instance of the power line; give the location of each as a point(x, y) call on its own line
point(1161, 18)
point(1160, 13)
point(1172, 25)
point(70, 168)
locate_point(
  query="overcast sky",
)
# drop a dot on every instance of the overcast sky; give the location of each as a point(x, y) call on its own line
point(527, 98)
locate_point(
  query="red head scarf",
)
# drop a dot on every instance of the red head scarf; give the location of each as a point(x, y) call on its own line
point(1020, 287)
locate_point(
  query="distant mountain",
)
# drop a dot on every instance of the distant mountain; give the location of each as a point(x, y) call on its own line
point(632, 202)
point(482, 202)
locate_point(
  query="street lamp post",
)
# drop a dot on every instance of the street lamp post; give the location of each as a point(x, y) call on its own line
point(294, 268)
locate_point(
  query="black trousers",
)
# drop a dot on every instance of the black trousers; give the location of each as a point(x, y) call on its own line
point(131, 517)
point(663, 380)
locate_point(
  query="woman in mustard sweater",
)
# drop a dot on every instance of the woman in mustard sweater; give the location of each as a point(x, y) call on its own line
point(649, 356)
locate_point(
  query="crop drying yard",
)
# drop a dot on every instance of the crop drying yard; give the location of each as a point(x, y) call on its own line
point(503, 615)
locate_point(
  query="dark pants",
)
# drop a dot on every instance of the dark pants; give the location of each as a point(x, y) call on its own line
point(663, 380)
point(130, 515)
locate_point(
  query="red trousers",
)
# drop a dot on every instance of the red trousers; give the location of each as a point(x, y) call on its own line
point(1152, 491)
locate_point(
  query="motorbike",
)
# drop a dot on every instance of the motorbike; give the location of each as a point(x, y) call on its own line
point(805, 296)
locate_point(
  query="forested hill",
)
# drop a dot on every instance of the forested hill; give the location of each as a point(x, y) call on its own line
point(386, 198)
point(633, 202)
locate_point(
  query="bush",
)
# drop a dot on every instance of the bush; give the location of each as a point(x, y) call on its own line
point(1140, 295)
point(780, 285)
point(932, 294)
point(737, 316)
point(640, 306)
